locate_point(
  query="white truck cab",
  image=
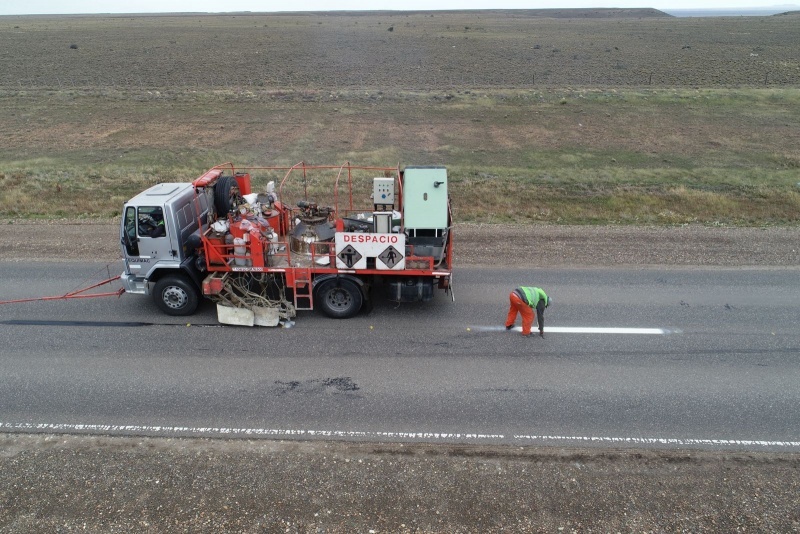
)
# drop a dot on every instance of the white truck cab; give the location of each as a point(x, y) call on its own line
point(157, 225)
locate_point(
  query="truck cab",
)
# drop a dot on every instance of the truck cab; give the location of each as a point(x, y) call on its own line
point(155, 234)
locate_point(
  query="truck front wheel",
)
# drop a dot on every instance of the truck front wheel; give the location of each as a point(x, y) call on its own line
point(175, 295)
point(340, 299)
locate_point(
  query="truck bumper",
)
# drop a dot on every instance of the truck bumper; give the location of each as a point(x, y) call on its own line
point(133, 284)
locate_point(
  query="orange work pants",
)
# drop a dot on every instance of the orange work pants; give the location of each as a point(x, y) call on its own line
point(517, 305)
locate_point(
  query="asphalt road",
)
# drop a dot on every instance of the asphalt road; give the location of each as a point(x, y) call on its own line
point(721, 373)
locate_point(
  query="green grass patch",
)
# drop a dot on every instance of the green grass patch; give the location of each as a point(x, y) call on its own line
point(577, 156)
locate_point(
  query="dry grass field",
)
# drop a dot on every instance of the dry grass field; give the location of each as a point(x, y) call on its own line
point(416, 51)
point(596, 116)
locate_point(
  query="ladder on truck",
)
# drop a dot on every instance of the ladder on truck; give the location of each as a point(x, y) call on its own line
point(301, 288)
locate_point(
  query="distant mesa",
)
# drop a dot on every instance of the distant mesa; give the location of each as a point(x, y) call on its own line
point(571, 13)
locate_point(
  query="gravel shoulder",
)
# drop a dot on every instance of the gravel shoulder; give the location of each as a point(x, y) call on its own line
point(109, 484)
point(479, 244)
point(99, 484)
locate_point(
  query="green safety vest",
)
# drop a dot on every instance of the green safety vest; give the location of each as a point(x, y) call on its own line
point(533, 295)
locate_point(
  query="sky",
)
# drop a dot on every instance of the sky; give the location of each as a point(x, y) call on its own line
point(36, 7)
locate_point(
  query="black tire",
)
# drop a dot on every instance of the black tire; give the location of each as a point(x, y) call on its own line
point(176, 295)
point(340, 299)
point(222, 195)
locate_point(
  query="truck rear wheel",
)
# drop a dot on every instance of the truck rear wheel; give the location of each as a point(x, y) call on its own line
point(175, 295)
point(340, 299)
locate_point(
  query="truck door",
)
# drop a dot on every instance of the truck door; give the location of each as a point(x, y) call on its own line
point(129, 238)
point(145, 234)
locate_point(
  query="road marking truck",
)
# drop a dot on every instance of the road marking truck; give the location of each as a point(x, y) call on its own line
point(265, 242)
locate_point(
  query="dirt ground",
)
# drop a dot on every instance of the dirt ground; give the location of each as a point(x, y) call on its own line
point(418, 49)
point(99, 484)
point(67, 483)
point(522, 246)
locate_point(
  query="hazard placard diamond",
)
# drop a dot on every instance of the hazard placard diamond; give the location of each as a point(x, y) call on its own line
point(349, 256)
point(390, 257)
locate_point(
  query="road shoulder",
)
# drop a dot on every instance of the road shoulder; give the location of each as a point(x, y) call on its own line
point(103, 484)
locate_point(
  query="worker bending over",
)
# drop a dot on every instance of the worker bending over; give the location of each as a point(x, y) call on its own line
point(524, 300)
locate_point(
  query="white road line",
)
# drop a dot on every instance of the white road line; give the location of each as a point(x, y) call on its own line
point(584, 330)
point(425, 436)
point(225, 431)
point(660, 441)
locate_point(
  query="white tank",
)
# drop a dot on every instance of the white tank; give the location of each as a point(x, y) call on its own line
point(239, 251)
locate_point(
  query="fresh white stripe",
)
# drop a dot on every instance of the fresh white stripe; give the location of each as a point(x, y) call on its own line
point(603, 330)
point(349, 434)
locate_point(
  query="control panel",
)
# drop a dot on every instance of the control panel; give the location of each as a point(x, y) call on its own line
point(383, 191)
